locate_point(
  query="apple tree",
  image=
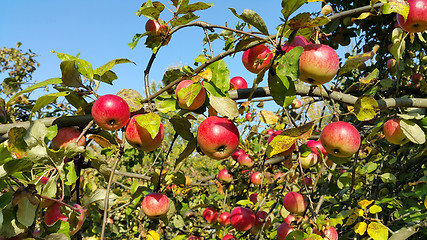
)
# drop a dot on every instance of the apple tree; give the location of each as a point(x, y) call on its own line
point(202, 155)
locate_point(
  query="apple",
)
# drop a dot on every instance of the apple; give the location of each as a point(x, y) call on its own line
point(340, 139)
point(253, 198)
point(416, 79)
point(391, 63)
point(192, 237)
point(44, 180)
point(245, 160)
point(260, 218)
point(210, 215)
point(298, 41)
point(139, 137)
point(393, 132)
point(155, 205)
point(417, 17)
point(308, 161)
point(317, 146)
point(218, 137)
point(238, 83)
point(289, 219)
point(284, 153)
point(270, 131)
point(296, 103)
point(279, 175)
point(283, 230)
point(229, 237)
point(224, 218)
point(198, 101)
point(307, 181)
point(295, 202)
point(65, 136)
point(256, 178)
point(53, 214)
point(110, 112)
point(248, 116)
point(155, 28)
point(331, 233)
point(237, 153)
point(318, 64)
point(257, 58)
point(242, 218)
point(224, 176)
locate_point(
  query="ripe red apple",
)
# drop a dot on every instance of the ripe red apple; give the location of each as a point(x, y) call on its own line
point(279, 175)
point(192, 237)
point(210, 215)
point(224, 176)
point(256, 178)
point(245, 160)
point(253, 198)
point(417, 17)
point(44, 180)
point(229, 237)
point(260, 218)
point(242, 219)
point(295, 202)
point(340, 139)
point(53, 214)
point(237, 153)
point(110, 112)
point(65, 136)
point(318, 64)
point(283, 230)
point(315, 147)
point(331, 233)
point(155, 28)
point(270, 131)
point(155, 205)
point(307, 181)
point(308, 161)
point(224, 218)
point(238, 83)
point(248, 116)
point(284, 153)
point(140, 138)
point(393, 133)
point(197, 102)
point(296, 103)
point(218, 137)
point(391, 63)
point(298, 41)
point(257, 58)
point(416, 77)
point(289, 219)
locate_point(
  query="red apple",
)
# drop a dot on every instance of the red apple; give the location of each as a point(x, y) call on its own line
point(192, 237)
point(140, 138)
point(340, 139)
point(331, 233)
point(417, 17)
point(270, 131)
point(44, 180)
point(224, 176)
point(224, 218)
point(210, 215)
point(229, 237)
point(237, 153)
point(416, 77)
point(260, 218)
point(391, 63)
point(218, 137)
point(283, 230)
point(295, 203)
point(110, 112)
point(155, 205)
point(256, 178)
point(242, 219)
point(53, 214)
point(65, 136)
point(248, 116)
point(284, 153)
point(253, 198)
point(198, 101)
point(308, 161)
point(307, 181)
point(245, 161)
point(154, 27)
point(279, 175)
point(289, 219)
point(315, 147)
point(257, 58)
point(393, 133)
point(296, 103)
point(238, 83)
point(298, 41)
point(318, 64)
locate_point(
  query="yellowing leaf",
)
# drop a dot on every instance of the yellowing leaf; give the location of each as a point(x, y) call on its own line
point(377, 231)
point(375, 209)
point(153, 235)
point(150, 121)
point(351, 219)
point(358, 212)
point(365, 203)
point(268, 117)
point(360, 228)
point(362, 16)
point(365, 108)
point(207, 75)
point(425, 202)
point(280, 144)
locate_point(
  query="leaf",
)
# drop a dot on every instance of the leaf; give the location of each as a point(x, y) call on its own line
point(70, 173)
point(191, 146)
point(184, 8)
point(360, 228)
point(281, 94)
point(395, 6)
point(182, 126)
point(252, 18)
point(354, 62)
point(288, 64)
point(362, 16)
point(190, 93)
point(98, 197)
point(206, 74)
point(85, 68)
point(150, 121)
point(46, 99)
point(57, 236)
point(371, 76)
point(16, 143)
point(225, 106)
point(412, 131)
point(132, 97)
point(268, 117)
point(151, 10)
point(35, 133)
point(368, 168)
point(377, 231)
point(375, 209)
point(165, 105)
point(304, 20)
point(26, 212)
point(188, 17)
point(314, 236)
point(100, 140)
point(108, 66)
point(365, 203)
point(290, 6)
point(34, 87)
point(388, 178)
point(244, 202)
point(70, 74)
point(399, 43)
point(247, 43)
point(220, 77)
point(135, 40)
point(296, 235)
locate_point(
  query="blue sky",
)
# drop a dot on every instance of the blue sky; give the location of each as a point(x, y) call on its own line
point(101, 30)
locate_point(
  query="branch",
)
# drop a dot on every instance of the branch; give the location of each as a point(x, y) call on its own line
point(407, 231)
point(354, 11)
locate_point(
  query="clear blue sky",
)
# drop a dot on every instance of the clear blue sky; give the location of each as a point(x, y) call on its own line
point(101, 30)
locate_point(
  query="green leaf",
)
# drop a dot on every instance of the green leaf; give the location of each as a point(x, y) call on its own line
point(182, 126)
point(150, 121)
point(412, 131)
point(353, 62)
point(35, 133)
point(304, 20)
point(188, 17)
point(247, 42)
point(108, 77)
point(244, 202)
point(6, 200)
point(70, 74)
point(190, 93)
point(16, 143)
point(108, 66)
point(64, 56)
point(399, 43)
point(191, 146)
point(368, 168)
point(388, 178)
point(281, 94)
point(49, 190)
point(338, 160)
point(225, 106)
point(375, 209)
point(399, 7)
point(296, 235)
point(85, 68)
point(135, 40)
point(46, 99)
point(366, 108)
point(344, 180)
point(290, 6)
point(70, 173)
point(165, 105)
point(151, 10)
point(34, 87)
point(98, 197)
point(288, 64)
point(18, 165)
point(26, 212)
point(252, 18)
point(377, 231)
point(132, 97)
point(220, 76)
point(185, 8)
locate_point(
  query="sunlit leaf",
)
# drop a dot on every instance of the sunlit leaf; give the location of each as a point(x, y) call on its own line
point(44, 100)
point(150, 121)
point(412, 131)
point(225, 106)
point(354, 62)
point(132, 97)
point(188, 17)
point(251, 17)
point(360, 228)
point(377, 231)
point(375, 209)
point(288, 64)
point(45, 83)
point(304, 20)
point(268, 117)
point(395, 6)
point(189, 93)
point(151, 10)
point(365, 203)
point(290, 6)
point(108, 66)
point(388, 178)
point(186, 8)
